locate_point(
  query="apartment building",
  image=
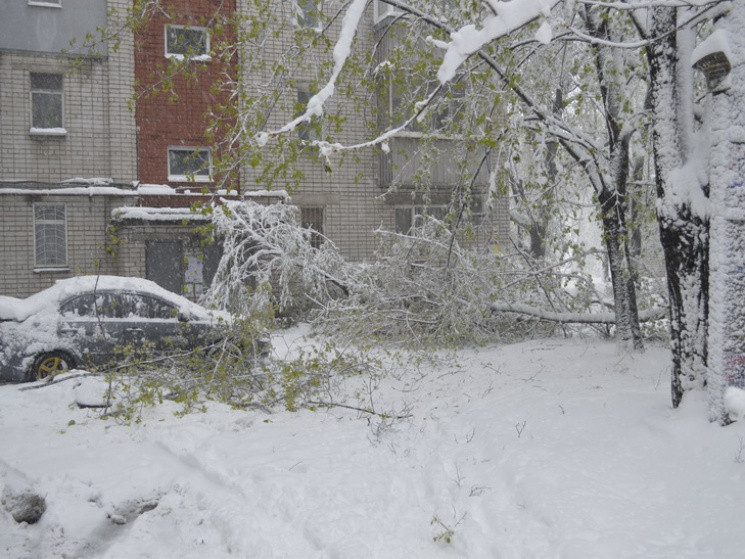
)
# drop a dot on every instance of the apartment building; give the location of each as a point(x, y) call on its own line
point(93, 180)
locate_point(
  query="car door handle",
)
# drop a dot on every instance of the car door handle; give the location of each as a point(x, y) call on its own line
point(134, 330)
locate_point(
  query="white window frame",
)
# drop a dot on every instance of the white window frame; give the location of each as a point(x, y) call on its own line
point(46, 3)
point(189, 178)
point(59, 131)
point(418, 212)
point(57, 265)
point(383, 10)
point(179, 56)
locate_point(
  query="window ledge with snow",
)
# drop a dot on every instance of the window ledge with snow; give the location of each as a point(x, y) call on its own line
point(189, 178)
point(43, 4)
point(196, 58)
point(47, 131)
point(51, 269)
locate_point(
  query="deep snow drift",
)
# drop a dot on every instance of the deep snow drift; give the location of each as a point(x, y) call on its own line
point(557, 448)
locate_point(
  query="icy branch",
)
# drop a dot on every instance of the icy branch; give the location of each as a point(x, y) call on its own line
point(342, 49)
point(510, 16)
point(572, 318)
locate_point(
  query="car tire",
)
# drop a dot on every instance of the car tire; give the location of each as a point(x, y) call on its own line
point(50, 364)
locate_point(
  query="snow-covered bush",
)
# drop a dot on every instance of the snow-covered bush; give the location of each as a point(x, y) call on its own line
point(269, 259)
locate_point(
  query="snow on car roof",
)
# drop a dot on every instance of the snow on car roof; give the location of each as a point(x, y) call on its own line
point(12, 308)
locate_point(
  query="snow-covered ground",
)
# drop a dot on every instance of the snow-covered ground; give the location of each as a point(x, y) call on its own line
point(554, 448)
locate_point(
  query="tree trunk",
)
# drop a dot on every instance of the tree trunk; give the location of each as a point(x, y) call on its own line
point(613, 195)
point(624, 292)
point(684, 235)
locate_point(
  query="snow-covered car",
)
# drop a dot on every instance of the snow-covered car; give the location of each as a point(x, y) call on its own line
point(83, 321)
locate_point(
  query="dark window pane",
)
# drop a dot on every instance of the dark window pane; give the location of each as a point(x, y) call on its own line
point(184, 162)
point(46, 110)
point(46, 100)
point(51, 82)
point(312, 218)
point(186, 41)
point(151, 307)
point(83, 305)
point(307, 131)
point(403, 220)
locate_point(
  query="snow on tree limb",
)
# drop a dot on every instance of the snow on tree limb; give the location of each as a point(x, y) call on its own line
point(508, 17)
point(341, 52)
point(572, 318)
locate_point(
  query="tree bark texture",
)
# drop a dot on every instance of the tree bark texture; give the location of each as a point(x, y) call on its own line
point(684, 235)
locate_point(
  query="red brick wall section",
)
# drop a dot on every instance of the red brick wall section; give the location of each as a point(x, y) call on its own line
point(162, 121)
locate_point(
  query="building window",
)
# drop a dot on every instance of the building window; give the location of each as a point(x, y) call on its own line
point(46, 104)
point(312, 218)
point(383, 10)
point(306, 131)
point(50, 236)
point(308, 14)
point(189, 164)
point(408, 217)
point(46, 3)
point(187, 42)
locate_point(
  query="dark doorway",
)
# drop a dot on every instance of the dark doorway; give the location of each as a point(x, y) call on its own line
point(164, 262)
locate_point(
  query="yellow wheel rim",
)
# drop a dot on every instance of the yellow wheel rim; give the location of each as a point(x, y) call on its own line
point(50, 367)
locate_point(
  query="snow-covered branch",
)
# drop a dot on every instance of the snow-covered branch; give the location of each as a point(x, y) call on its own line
point(572, 318)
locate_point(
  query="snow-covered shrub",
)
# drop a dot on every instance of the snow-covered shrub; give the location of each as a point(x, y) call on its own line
point(269, 259)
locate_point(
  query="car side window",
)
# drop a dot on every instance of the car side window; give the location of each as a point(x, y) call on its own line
point(82, 305)
point(146, 306)
point(117, 305)
point(162, 310)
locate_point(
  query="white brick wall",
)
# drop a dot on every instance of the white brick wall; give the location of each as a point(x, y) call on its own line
point(100, 139)
point(350, 194)
point(87, 220)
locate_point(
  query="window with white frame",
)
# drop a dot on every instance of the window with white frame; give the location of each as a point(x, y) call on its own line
point(47, 106)
point(189, 164)
point(383, 10)
point(415, 216)
point(46, 3)
point(50, 236)
point(398, 98)
point(185, 41)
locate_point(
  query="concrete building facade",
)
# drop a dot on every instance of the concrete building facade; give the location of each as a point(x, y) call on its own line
point(78, 152)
